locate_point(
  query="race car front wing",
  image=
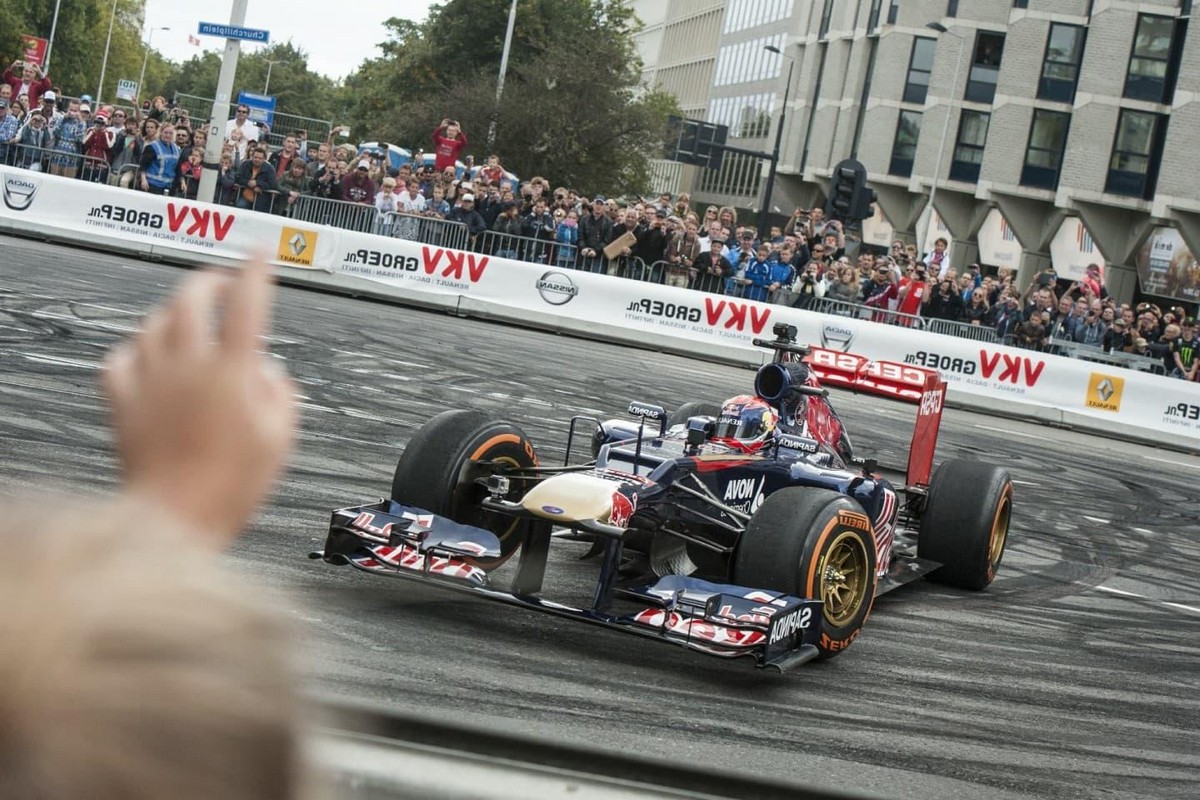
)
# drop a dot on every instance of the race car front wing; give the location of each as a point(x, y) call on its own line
point(387, 538)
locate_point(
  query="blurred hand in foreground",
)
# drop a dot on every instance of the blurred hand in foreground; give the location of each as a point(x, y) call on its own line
point(203, 419)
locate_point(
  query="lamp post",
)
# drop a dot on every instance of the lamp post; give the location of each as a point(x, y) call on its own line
point(146, 56)
point(267, 84)
point(937, 171)
point(508, 35)
point(770, 188)
point(112, 17)
point(50, 43)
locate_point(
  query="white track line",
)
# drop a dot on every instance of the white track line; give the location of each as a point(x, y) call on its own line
point(1172, 462)
point(1181, 606)
point(1122, 593)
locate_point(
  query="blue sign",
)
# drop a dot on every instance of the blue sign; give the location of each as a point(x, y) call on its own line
point(262, 107)
point(234, 32)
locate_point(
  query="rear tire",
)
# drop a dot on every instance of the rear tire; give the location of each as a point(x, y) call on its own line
point(965, 524)
point(439, 467)
point(813, 543)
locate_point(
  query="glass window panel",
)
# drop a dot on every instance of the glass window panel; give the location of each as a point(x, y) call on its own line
point(1153, 38)
point(989, 49)
point(922, 54)
point(973, 128)
point(1065, 44)
point(1135, 133)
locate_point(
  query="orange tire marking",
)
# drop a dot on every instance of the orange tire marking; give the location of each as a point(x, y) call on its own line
point(492, 442)
point(820, 559)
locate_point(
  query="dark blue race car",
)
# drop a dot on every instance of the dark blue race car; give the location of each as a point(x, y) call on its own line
point(749, 528)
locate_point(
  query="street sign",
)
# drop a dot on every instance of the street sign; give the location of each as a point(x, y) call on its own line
point(262, 107)
point(234, 32)
point(127, 90)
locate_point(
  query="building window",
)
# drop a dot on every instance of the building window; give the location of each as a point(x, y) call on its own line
point(826, 13)
point(1137, 153)
point(968, 148)
point(920, 65)
point(1047, 143)
point(904, 151)
point(1060, 70)
point(985, 67)
point(1020, 3)
point(952, 8)
point(1153, 63)
point(893, 12)
point(873, 18)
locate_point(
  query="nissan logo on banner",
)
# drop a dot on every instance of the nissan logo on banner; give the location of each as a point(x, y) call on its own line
point(557, 288)
point(835, 336)
point(19, 191)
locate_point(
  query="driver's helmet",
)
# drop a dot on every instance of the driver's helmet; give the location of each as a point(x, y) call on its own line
point(746, 423)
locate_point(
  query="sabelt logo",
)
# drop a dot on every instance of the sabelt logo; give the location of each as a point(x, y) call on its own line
point(557, 288)
point(297, 247)
point(835, 336)
point(721, 314)
point(1104, 392)
point(19, 191)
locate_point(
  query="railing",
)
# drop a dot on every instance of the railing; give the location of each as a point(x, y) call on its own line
point(336, 213)
point(425, 229)
point(523, 248)
point(200, 108)
point(1117, 358)
point(57, 162)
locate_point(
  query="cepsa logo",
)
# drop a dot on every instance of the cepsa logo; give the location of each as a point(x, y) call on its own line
point(446, 268)
point(1182, 414)
point(727, 316)
point(184, 223)
point(1015, 371)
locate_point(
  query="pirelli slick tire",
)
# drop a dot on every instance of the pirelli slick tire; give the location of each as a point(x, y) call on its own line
point(965, 524)
point(440, 465)
point(694, 409)
point(813, 543)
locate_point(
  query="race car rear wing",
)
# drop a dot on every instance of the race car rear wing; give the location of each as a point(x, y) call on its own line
point(924, 387)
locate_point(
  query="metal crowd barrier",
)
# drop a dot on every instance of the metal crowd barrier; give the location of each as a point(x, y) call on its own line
point(518, 248)
point(199, 109)
point(963, 330)
point(427, 230)
point(845, 308)
point(348, 216)
point(1116, 358)
point(47, 159)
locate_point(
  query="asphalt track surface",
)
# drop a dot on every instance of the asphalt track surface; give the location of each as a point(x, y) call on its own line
point(1074, 676)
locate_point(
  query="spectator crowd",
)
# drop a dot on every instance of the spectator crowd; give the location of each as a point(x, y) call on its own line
point(155, 148)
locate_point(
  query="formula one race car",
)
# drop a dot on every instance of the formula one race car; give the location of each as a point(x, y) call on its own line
point(744, 529)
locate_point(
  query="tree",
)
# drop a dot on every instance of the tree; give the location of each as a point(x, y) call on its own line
point(573, 110)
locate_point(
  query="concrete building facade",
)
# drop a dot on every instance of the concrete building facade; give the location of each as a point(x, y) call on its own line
point(1056, 132)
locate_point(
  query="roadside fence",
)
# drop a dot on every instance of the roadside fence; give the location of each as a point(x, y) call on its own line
point(425, 229)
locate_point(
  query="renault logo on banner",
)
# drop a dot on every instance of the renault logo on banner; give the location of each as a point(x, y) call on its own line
point(1104, 392)
point(19, 191)
point(297, 247)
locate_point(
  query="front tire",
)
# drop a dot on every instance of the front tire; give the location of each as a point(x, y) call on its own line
point(813, 543)
point(440, 465)
point(965, 524)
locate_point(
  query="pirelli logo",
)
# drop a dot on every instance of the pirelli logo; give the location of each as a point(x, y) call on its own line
point(852, 520)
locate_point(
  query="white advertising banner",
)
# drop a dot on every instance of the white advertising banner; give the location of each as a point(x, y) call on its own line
point(1073, 248)
point(99, 213)
point(998, 243)
point(597, 305)
point(876, 230)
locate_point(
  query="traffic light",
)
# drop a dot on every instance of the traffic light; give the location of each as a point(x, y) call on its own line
point(849, 198)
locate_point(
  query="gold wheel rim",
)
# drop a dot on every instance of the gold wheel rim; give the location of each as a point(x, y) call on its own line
point(999, 531)
point(845, 579)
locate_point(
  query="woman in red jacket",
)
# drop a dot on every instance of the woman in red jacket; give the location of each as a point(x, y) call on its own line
point(449, 140)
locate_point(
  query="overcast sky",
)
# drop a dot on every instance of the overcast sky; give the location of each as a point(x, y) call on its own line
point(337, 36)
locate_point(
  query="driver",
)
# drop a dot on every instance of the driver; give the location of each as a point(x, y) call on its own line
point(746, 423)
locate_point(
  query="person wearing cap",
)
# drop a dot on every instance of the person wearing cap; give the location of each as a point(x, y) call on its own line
point(32, 83)
point(464, 212)
point(97, 144)
point(50, 109)
point(68, 139)
point(357, 187)
point(1117, 338)
point(33, 142)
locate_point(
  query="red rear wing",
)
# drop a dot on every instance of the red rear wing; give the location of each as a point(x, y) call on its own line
point(924, 387)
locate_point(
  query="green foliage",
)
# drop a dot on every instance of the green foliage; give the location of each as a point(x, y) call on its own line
point(573, 108)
